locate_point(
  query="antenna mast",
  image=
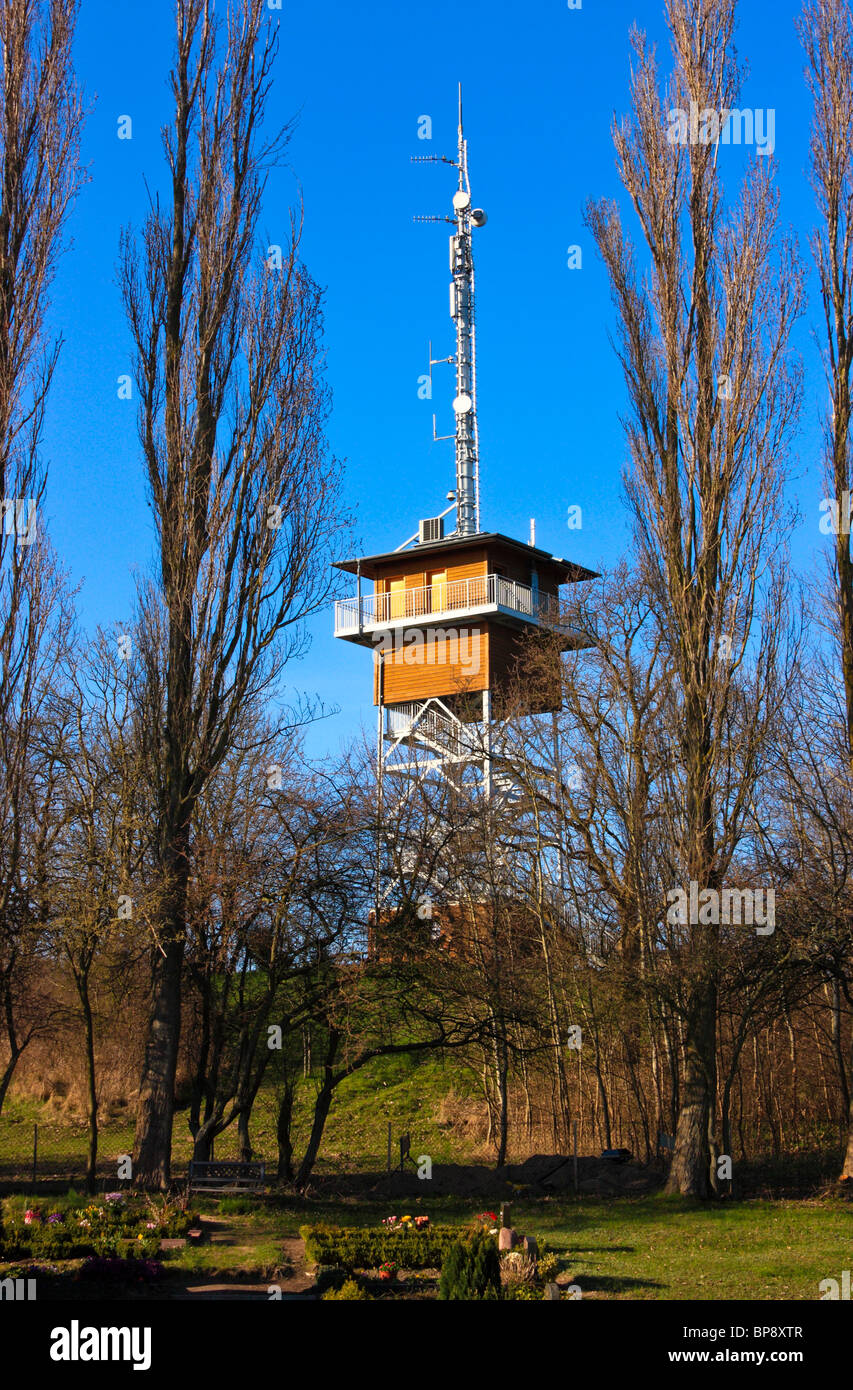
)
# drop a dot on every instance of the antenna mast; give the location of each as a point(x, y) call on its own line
point(462, 313)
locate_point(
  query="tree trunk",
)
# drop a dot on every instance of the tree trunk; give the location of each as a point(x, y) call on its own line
point(847, 1169)
point(602, 1091)
point(203, 1142)
point(243, 1135)
point(153, 1148)
point(838, 1049)
point(200, 1074)
point(690, 1173)
point(501, 1084)
point(674, 1076)
point(15, 1049)
point(6, 1077)
point(91, 1092)
point(283, 1135)
point(321, 1109)
point(639, 1096)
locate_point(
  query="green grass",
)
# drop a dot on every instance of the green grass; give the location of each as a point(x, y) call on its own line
point(651, 1248)
point(668, 1248)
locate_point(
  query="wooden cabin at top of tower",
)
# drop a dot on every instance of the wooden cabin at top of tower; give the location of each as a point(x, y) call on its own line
point(446, 618)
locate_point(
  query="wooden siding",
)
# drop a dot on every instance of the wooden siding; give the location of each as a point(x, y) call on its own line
point(455, 661)
point(486, 658)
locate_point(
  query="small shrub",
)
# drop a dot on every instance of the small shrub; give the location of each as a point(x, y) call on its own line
point(517, 1267)
point(549, 1266)
point(472, 1270)
point(350, 1289)
point(331, 1277)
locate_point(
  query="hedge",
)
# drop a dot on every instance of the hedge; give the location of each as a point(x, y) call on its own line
point(356, 1247)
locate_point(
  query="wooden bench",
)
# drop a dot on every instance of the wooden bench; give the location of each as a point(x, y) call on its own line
point(226, 1177)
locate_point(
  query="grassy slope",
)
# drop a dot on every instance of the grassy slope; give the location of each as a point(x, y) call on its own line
point(407, 1092)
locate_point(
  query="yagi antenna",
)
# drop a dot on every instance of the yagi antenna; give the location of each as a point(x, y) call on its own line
point(465, 218)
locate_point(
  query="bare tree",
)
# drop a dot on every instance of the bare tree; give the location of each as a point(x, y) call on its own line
point(101, 840)
point(272, 899)
point(40, 123)
point(704, 345)
point(826, 30)
point(232, 405)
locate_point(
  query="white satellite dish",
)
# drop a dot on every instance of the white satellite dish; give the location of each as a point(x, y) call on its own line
point(461, 199)
point(462, 405)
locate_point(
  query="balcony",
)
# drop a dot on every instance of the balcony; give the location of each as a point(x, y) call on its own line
point(483, 596)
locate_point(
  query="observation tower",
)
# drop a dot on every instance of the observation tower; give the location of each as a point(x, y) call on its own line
point(446, 612)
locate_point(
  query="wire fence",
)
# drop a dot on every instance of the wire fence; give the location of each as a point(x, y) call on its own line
point(35, 1154)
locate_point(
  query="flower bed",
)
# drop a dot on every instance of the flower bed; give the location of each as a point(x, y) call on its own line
point(68, 1228)
point(130, 1271)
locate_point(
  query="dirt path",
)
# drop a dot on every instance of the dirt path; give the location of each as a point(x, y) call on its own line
point(294, 1282)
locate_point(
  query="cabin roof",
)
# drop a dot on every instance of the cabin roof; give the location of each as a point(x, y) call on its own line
point(563, 571)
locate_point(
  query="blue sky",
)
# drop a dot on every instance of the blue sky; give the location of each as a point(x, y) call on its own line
point(541, 83)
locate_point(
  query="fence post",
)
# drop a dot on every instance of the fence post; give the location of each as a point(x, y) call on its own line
point(35, 1151)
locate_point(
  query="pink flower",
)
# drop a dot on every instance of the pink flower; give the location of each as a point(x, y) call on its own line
point(30, 1217)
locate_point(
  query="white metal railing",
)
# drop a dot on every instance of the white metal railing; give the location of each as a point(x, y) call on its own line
point(443, 597)
point(410, 718)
